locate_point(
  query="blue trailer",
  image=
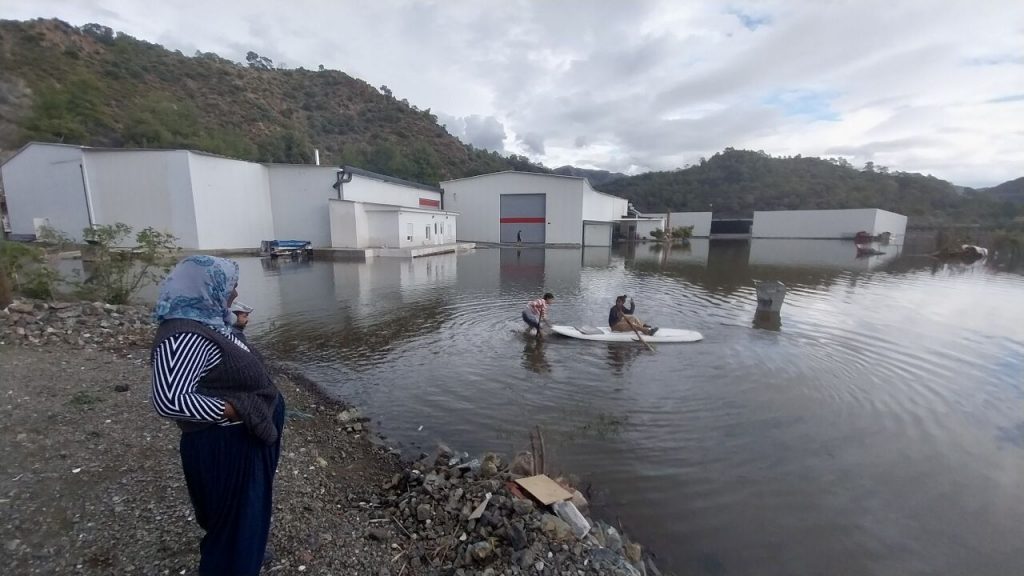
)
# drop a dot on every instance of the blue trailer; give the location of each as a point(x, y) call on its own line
point(293, 248)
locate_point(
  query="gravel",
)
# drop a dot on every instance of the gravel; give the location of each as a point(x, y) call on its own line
point(91, 481)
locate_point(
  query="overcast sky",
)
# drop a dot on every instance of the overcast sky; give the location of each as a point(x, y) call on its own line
point(919, 85)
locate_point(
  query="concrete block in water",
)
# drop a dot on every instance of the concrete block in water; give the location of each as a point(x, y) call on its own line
point(770, 295)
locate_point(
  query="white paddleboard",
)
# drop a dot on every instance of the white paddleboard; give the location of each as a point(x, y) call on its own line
point(602, 334)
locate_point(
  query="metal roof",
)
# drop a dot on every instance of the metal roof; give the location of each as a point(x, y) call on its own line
point(390, 179)
point(589, 185)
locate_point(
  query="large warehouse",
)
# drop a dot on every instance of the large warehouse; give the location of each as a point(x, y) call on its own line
point(533, 208)
point(828, 224)
point(211, 202)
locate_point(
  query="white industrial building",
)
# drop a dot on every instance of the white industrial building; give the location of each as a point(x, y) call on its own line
point(828, 224)
point(211, 202)
point(533, 208)
point(640, 227)
point(701, 222)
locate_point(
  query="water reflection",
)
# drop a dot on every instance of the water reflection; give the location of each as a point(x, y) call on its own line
point(821, 254)
point(621, 355)
point(852, 439)
point(533, 355)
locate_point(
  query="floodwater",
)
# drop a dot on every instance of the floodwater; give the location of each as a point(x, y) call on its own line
point(878, 430)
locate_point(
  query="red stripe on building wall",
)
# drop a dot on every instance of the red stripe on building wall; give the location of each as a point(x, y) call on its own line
point(522, 220)
point(430, 203)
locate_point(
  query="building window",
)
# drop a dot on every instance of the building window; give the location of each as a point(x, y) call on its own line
point(435, 227)
point(428, 232)
point(442, 229)
point(408, 231)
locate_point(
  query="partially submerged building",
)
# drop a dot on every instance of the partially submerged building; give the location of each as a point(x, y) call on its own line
point(510, 206)
point(828, 224)
point(211, 202)
point(699, 221)
point(640, 226)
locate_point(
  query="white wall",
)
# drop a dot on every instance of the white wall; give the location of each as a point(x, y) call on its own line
point(644, 227)
point(45, 181)
point(143, 188)
point(298, 198)
point(232, 200)
point(442, 228)
point(366, 189)
point(813, 223)
point(382, 228)
point(477, 200)
point(420, 220)
point(701, 222)
point(601, 207)
point(895, 224)
point(597, 234)
point(348, 224)
point(478, 210)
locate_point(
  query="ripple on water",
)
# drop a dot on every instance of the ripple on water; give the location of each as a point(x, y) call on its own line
point(886, 406)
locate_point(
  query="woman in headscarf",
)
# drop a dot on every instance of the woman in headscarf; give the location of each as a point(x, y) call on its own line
point(231, 415)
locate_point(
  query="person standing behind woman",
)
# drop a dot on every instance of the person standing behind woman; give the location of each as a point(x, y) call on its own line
point(218, 391)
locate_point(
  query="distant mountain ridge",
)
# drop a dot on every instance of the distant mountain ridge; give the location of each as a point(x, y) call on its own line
point(1011, 191)
point(734, 183)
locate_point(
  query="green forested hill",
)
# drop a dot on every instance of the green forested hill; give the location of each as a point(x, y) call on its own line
point(1012, 191)
point(737, 182)
point(93, 86)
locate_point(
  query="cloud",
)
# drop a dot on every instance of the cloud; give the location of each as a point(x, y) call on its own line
point(480, 131)
point(533, 142)
point(651, 84)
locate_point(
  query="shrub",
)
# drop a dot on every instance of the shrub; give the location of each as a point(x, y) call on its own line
point(54, 239)
point(26, 268)
point(117, 273)
point(658, 234)
point(682, 232)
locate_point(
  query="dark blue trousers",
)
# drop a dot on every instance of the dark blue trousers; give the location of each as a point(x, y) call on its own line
point(230, 478)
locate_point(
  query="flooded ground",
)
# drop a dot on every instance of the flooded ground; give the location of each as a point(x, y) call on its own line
point(878, 430)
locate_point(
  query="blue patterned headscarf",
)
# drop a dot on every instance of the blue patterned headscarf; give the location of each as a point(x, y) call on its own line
point(198, 289)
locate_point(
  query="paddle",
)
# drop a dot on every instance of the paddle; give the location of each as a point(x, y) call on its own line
point(638, 337)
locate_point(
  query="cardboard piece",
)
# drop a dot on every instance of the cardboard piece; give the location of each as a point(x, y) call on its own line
point(544, 489)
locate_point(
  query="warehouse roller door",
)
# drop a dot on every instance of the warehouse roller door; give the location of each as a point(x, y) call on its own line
point(523, 218)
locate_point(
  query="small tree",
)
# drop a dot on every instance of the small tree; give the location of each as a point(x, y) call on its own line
point(118, 274)
point(682, 232)
point(658, 234)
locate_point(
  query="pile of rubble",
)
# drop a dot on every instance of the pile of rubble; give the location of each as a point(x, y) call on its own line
point(83, 324)
point(449, 515)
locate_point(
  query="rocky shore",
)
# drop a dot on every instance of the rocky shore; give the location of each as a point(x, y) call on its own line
point(91, 482)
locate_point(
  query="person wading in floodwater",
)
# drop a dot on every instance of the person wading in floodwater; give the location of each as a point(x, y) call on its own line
point(519, 237)
point(537, 311)
point(620, 318)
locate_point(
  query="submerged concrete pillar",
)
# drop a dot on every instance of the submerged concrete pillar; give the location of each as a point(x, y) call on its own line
point(770, 296)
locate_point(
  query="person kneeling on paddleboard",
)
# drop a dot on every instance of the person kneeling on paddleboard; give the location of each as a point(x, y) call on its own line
point(620, 319)
point(537, 311)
